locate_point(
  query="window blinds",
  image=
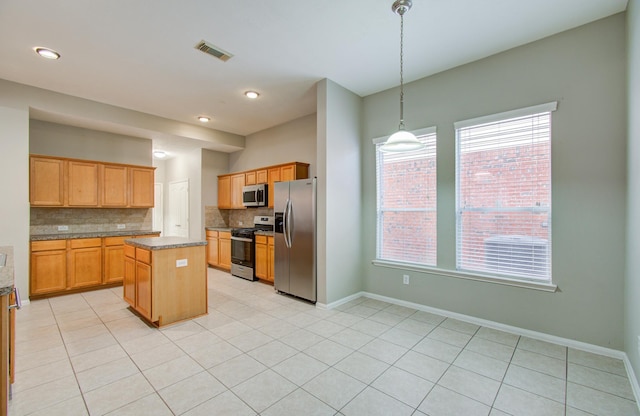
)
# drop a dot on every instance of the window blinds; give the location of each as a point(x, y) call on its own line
point(503, 194)
point(406, 206)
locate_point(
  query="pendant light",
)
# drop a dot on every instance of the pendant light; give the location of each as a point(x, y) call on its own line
point(402, 140)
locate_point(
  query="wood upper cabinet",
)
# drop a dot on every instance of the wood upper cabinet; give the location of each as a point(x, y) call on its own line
point(46, 185)
point(115, 186)
point(224, 192)
point(230, 185)
point(85, 263)
point(141, 187)
point(48, 266)
point(82, 184)
point(237, 183)
point(61, 182)
point(261, 176)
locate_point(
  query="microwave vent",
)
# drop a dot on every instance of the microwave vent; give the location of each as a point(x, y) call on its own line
point(213, 50)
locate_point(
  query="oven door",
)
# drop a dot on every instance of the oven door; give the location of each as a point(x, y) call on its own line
point(242, 251)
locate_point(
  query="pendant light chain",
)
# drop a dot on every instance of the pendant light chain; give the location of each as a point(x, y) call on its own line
point(401, 72)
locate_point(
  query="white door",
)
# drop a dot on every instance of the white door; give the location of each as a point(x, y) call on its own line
point(158, 208)
point(178, 225)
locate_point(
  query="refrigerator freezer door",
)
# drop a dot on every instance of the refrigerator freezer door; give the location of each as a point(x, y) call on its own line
point(281, 251)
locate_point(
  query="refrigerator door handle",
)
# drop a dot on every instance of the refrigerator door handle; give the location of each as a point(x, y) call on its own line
point(289, 226)
point(285, 224)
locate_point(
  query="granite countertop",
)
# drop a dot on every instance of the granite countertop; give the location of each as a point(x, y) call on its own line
point(218, 228)
point(69, 236)
point(163, 243)
point(6, 272)
point(262, 232)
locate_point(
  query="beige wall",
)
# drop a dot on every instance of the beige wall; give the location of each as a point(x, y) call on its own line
point(294, 141)
point(584, 70)
point(632, 282)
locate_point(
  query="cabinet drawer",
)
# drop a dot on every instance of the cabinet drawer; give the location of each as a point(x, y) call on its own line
point(261, 239)
point(225, 235)
point(143, 255)
point(130, 251)
point(49, 245)
point(211, 233)
point(86, 242)
point(114, 241)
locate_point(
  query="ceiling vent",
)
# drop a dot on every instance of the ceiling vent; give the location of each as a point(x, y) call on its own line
point(213, 50)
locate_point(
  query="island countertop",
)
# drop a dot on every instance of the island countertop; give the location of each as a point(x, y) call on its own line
point(163, 243)
point(6, 271)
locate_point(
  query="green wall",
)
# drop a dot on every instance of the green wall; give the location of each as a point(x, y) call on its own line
point(584, 70)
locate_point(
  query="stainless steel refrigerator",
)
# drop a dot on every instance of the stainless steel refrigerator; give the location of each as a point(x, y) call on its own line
point(295, 238)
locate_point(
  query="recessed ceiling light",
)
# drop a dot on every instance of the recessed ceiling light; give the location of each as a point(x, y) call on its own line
point(160, 154)
point(204, 119)
point(251, 94)
point(47, 53)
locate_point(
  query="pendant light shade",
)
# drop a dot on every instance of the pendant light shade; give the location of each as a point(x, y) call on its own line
point(402, 140)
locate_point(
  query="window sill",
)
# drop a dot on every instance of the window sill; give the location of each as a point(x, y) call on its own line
point(546, 287)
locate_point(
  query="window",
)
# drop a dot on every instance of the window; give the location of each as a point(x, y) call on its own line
point(503, 194)
point(406, 209)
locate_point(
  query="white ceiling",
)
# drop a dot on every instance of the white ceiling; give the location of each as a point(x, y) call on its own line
point(140, 54)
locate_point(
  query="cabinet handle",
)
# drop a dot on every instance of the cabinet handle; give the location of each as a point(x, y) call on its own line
point(18, 303)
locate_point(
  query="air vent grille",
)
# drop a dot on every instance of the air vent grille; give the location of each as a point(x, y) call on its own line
point(213, 50)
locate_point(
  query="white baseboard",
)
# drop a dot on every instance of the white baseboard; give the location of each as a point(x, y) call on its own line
point(570, 343)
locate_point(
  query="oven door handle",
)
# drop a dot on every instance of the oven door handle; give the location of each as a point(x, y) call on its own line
point(248, 240)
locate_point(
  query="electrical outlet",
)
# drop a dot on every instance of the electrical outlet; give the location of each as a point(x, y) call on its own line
point(239, 222)
point(405, 279)
point(63, 228)
point(121, 226)
point(182, 263)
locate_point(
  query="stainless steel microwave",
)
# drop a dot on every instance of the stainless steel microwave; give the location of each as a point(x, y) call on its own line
point(255, 195)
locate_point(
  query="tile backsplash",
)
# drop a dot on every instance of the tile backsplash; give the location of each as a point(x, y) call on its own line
point(88, 220)
point(233, 218)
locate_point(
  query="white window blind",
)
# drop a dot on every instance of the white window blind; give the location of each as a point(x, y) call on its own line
point(503, 194)
point(407, 203)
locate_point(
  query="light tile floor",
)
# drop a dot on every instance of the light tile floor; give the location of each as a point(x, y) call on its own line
point(258, 352)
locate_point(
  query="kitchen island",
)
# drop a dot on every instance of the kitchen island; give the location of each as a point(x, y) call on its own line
point(165, 278)
point(7, 327)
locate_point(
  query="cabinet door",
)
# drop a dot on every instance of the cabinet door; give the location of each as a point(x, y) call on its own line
point(237, 183)
point(261, 176)
point(270, 260)
point(113, 264)
point(224, 251)
point(46, 182)
point(141, 187)
point(250, 178)
point(129, 282)
point(85, 267)
point(82, 185)
point(212, 251)
point(48, 271)
point(273, 176)
point(114, 186)
point(143, 289)
point(288, 173)
point(262, 266)
point(224, 192)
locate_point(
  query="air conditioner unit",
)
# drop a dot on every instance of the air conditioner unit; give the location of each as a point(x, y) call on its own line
point(517, 255)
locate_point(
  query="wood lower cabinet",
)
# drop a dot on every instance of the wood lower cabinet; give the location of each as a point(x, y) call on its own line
point(166, 285)
point(264, 257)
point(219, 249)
point(85, 263)
point(48, 267)
point(60, 266)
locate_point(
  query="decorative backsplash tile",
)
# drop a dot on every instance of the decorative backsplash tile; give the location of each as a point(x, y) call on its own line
point(234, 218)
point(88, 220)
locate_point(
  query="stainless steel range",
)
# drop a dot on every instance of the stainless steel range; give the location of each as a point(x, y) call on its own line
point(243, 253)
